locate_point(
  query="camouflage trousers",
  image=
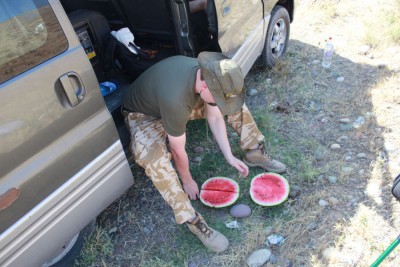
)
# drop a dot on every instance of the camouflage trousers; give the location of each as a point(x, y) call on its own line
point(150, 151)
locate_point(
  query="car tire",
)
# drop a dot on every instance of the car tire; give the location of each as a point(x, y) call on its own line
point(277, 38)
point(72, 248)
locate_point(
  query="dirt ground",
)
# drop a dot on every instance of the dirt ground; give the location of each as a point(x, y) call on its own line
point(338, 132)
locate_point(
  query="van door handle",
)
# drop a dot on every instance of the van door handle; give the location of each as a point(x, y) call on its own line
point(73, 88)
point(7, 198)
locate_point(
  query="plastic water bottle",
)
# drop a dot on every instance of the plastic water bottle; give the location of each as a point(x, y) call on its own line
point(328, 53)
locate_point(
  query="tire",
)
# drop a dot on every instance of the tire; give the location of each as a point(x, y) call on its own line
point(72, 248)
point(277, 38)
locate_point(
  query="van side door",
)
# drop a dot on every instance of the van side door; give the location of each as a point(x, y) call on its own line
point(61, 160)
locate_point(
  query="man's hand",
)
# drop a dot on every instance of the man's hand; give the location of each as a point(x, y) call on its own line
point(239, 165)
point(191, 189)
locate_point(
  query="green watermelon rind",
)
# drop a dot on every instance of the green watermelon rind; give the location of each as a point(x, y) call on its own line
point(263, 203)
point(223, 205)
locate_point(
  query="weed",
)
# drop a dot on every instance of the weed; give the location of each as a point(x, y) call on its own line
point(98, 245)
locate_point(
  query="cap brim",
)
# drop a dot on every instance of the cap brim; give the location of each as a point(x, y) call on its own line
point(227, 105)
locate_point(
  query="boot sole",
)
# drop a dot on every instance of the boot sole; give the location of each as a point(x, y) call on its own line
point(263, 167)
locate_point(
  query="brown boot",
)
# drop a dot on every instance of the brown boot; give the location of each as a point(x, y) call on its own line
point(210, 238)
point(258, 158)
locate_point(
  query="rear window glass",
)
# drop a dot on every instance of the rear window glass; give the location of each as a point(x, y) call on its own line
point(29, 35)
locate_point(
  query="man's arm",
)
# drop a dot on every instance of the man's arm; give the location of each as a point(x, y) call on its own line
point(217, 125)
point(181, 160)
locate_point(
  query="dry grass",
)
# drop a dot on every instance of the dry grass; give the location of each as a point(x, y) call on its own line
point(364, 221)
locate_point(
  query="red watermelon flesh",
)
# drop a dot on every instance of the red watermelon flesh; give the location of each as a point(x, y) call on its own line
point(269, 189)
point(221, 184)
point(219, 192)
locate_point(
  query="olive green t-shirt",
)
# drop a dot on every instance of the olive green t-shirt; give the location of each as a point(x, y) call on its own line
point(166, 91)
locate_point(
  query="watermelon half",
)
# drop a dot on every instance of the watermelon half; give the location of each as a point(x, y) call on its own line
point(269, 189)
point(219, 192)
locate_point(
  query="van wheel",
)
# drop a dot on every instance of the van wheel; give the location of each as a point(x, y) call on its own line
point(71, 249)
point(277, 37)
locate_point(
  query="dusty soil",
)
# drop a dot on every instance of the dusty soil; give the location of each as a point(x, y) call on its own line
point(341, 211)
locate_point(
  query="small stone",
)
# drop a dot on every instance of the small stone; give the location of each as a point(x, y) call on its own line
point(312, 226)
point(333, 200)
point(113, 230)
point(361, 172)
point(196, 159)
point(340, 79)
point(315, 62)
point(345, 127)
point(294, 191)
point(335, 146)
point(258, 258)
point(272, 259)
point(198, 150)
point(364, 49)
point(240, 211)
point(252, 92)
point(344, 120)
point(381, 66)
point(275, 239)
point(268, 81)
point(234, 134)
point(361, 155)
point(318, 155)
point(329, 254)
point(347, 158)
point(332, 179)
point(347, 169)
point(323, 203)
point(192, 264)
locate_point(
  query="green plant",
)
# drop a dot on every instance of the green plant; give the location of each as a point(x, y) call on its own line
point(95, 248)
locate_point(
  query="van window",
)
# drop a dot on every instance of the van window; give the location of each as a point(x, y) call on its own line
point(30, 34)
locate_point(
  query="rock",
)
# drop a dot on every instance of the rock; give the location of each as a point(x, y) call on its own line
point(348, 158)
point(323, 203)
point(344, 120)
point(361, 172)
point(272, 259)
point(332, 179)
point(333, 200)
point(113, 230)
point(315, 62)
point(240, 211)
point(381, 66)
point(196, 159)
point(312, 226)
point(294, 191)
point(361, 155)
point(364, 49)
point(198, 150)
point(234, 134)
point(347, 169)
point(318, 155)
point(192, 264)
point(335, 146)
point(345, 127)
point(275, 239)
point(268, 81)
point(329, 254)
point(251, 92)
point(340, 79)
point(258, 258)
point(232, 225)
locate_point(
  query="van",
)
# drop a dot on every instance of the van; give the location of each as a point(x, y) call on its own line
point(63, 156)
